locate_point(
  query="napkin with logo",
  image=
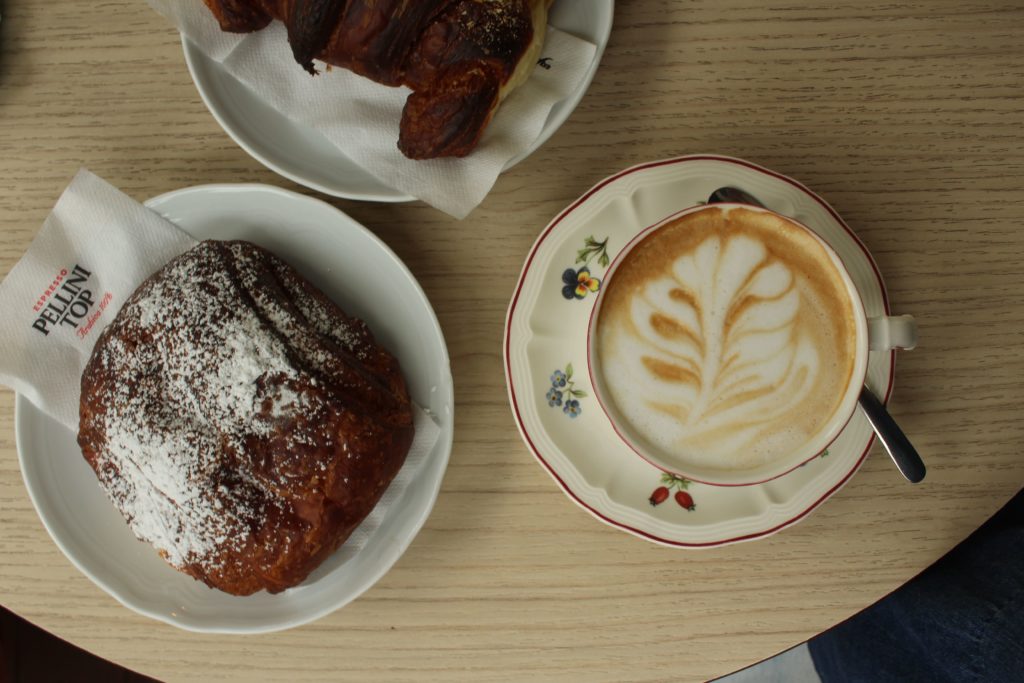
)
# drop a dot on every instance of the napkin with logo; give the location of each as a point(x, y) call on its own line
point(361, 117)
point(93, 251)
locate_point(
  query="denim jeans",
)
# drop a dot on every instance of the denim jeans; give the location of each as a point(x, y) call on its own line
point(962, 619)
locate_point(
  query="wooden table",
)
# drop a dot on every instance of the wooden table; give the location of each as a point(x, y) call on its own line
point(906, 116)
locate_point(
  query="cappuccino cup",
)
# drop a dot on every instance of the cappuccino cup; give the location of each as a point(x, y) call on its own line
point(729, 344)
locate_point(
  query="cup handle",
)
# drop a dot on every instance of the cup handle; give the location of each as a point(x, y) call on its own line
point(892, 332)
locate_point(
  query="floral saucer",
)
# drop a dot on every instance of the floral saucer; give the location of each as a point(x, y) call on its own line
point(546, 356)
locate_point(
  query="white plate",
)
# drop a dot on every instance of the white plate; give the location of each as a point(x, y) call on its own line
point(308, 158)
point(367, 280)
point(545, 332)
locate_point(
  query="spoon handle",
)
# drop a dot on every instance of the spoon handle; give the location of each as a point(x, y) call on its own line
point(892, 437)
point(733, 195)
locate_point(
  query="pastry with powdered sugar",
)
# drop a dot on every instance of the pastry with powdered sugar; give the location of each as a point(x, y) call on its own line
point(242, 423)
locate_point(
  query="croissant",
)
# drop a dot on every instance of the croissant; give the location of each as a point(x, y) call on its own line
point(461, 58)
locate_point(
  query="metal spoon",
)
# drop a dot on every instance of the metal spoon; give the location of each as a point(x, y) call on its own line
point(889, 433)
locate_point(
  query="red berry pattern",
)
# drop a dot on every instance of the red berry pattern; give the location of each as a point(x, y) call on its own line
point(685, 500)
point(670, 482)
point(659, 496)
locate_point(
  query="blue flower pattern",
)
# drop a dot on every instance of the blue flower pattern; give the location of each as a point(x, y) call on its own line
point(554, 397)
point(564, 394)
point(572, 408)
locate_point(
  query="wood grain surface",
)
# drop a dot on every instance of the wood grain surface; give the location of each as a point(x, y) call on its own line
point(906, 116)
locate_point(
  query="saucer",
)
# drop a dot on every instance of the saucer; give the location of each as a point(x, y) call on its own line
point(546, 355)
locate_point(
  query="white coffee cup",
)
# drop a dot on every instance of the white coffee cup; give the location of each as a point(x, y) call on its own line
point(776, 445)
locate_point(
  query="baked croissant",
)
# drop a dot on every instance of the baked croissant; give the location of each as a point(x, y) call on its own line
point(461, 58)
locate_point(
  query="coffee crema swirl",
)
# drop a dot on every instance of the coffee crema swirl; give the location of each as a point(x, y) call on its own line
point(726, 339)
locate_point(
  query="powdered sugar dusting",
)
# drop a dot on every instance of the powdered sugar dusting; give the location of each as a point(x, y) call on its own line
point(351, 335)
point(215, 358)
point(286, 401)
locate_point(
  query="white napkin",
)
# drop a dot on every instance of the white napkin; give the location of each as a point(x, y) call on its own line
point(361, 117)
point(94, 249)
point(93, 229)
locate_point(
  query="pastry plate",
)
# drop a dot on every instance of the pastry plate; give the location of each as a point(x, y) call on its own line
point(546, 355)
point(308, 158)
point(361, 274)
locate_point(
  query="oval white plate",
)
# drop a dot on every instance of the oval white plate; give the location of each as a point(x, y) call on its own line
point(308, 158)
point(361, 274)
point(545, 333)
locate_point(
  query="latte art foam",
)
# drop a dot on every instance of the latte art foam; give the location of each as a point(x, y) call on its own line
point(726, 339)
